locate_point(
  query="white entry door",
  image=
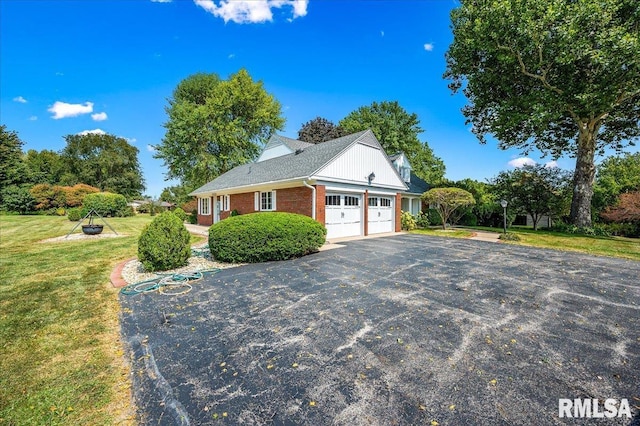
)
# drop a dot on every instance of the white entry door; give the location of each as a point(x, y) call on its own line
point(380, 215)
point(343, 215)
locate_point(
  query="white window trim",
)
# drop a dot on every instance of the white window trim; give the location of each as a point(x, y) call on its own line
point(204, 206)
point(258, 201)
point(225, 203)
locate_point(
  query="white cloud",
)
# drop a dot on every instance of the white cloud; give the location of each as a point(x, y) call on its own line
point(231, 56)
point(99, 116)
point(64, 110)
point(381, 33)
point(20, 99)
point(521, 162)
point(551, 164)
point(33, 118)
point(428, 47)
point(161, 1)
point(251, 11)
point(92, 132)
point(151, 148)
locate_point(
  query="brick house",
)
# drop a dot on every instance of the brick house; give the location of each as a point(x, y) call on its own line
point(348, 184)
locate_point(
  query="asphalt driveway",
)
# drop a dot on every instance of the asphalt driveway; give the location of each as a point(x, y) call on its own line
point(403, 330)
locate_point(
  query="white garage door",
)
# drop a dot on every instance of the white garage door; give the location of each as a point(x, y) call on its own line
point(380, 215)
point(343, 214)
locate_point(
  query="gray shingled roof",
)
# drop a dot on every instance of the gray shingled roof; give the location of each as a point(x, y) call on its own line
point(293, 144)
point(417, 185)
point(291, 166)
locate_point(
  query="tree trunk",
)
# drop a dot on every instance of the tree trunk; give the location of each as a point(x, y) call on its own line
point(583, 177)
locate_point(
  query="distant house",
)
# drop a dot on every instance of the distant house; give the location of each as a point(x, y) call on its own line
point(348, 184)
point(162, 205)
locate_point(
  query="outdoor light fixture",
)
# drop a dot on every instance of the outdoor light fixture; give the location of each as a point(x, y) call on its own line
point(504, 204)
point(371, 177)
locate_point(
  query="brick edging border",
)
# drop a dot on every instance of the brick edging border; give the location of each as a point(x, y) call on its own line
point(116, 275)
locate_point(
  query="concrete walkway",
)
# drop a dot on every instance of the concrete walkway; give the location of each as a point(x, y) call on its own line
point(486, 236)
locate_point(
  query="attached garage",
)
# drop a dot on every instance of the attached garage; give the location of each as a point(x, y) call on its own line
point(343, 215)
point(380, 215)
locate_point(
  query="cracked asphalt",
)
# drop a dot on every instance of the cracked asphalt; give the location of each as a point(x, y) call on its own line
point(402, 330)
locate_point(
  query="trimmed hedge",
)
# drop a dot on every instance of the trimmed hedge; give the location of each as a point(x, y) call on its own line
point(105, 203)
point(74, 214)
point(260, 237)
point(180, 213)
point(164, 243)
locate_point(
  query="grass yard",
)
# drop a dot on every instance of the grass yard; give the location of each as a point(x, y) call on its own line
point(454, 233)
point(627, 248)
point(60, 352)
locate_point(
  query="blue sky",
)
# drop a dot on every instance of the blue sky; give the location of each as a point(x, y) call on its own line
point(73, 66)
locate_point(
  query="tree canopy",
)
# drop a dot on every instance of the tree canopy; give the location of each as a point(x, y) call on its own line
point(447, 201)
point(614, 176)
point(397, 130)
point(214, 125)
point(44, 166)
point(106, 161)
point(560, 76)
point(533, 189)
point(11, 164)
point(320, 130)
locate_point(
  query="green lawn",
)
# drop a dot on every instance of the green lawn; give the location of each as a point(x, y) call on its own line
point(627, 248)
point(60, 351)
point(454, 233)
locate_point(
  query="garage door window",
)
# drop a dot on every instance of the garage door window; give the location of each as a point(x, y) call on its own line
point(351, 201)
point(332, 200)
point(373, 202)
point(385, 202)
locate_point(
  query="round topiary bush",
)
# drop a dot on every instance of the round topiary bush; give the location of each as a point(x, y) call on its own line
point(164, 243)
point(260, 237)
point(182, 215)
point(105, 203)
point(74, 214)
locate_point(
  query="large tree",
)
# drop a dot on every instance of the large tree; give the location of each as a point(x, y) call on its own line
point(44, 166)
point(320, 130)
point(214, 125)
point(106, 161)
point(560, 76)
point(533, 189)
point(397, 130)
point(11, 164)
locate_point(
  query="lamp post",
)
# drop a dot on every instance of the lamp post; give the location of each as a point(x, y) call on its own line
point(504, 204)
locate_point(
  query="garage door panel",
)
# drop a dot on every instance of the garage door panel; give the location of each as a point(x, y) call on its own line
point(380, 215)
point(343, 213)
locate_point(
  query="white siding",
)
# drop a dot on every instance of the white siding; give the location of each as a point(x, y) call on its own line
point(357, 163)
point(273, 152)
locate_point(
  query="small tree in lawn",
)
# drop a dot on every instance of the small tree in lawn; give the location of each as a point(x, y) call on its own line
point(447, 201)
point(627, 209)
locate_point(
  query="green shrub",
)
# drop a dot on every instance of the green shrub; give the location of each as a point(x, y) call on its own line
point(408, 221)
point(182, 215)
point(260, 237)
point(598, 229)
point(105, 203)
point(164, 243)
point(126, 211)
point(234, 212)
point(17, 199)
point(193, 217)
point(74, 214)
point(509, 236)
point(60, 211)
point(422, 220)
point(434, 217)
point(144, 208)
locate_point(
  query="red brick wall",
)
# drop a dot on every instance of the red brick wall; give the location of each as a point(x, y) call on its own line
point(365, 209)
point(294, 200)
point(208, 219)
point(398, 213)
point(321, 194)
point(244, 203)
